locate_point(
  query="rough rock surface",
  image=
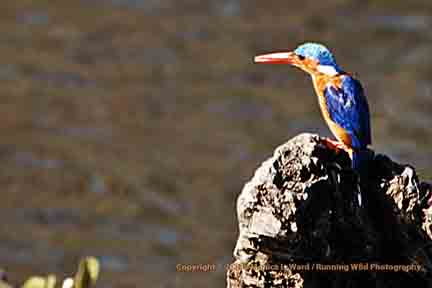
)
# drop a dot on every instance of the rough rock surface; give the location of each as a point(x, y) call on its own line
point(306, 219)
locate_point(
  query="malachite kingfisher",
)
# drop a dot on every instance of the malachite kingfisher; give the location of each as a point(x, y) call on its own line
point(341, 97)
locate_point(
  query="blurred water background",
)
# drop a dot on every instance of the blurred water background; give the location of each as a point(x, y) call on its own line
point(128, 127)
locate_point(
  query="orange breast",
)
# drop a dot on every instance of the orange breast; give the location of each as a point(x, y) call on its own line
point(340, 133)
point(320, 82)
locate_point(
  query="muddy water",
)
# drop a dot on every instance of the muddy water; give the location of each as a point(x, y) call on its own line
point(129, 127)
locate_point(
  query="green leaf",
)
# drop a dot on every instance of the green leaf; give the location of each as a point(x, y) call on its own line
point(88, 272)
point(40, 282)
point(4, 284)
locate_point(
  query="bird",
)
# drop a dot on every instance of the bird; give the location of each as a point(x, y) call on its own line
point(341, 97)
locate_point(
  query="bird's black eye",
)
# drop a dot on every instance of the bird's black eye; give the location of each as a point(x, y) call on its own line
point(301, 57)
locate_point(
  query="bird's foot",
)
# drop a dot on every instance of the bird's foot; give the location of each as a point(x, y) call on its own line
point(335, 145)
point(338, 146)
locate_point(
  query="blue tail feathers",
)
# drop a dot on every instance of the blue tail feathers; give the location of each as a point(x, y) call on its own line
point(360, 159)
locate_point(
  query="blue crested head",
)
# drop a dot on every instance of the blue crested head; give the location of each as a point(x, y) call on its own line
point(317, 52)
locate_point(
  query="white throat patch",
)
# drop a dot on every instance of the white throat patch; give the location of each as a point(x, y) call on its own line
point(327, 69)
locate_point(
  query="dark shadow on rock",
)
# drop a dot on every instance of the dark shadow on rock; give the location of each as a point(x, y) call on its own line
point(306, 219)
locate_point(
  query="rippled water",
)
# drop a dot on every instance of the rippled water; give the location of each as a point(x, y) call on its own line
point(129, 127)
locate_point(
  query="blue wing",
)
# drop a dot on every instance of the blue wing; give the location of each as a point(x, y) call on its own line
point(348, 107)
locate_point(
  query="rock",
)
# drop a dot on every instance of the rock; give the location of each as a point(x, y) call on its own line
point(306, 219)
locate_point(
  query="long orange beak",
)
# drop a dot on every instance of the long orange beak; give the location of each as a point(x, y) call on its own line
point(278, 58)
